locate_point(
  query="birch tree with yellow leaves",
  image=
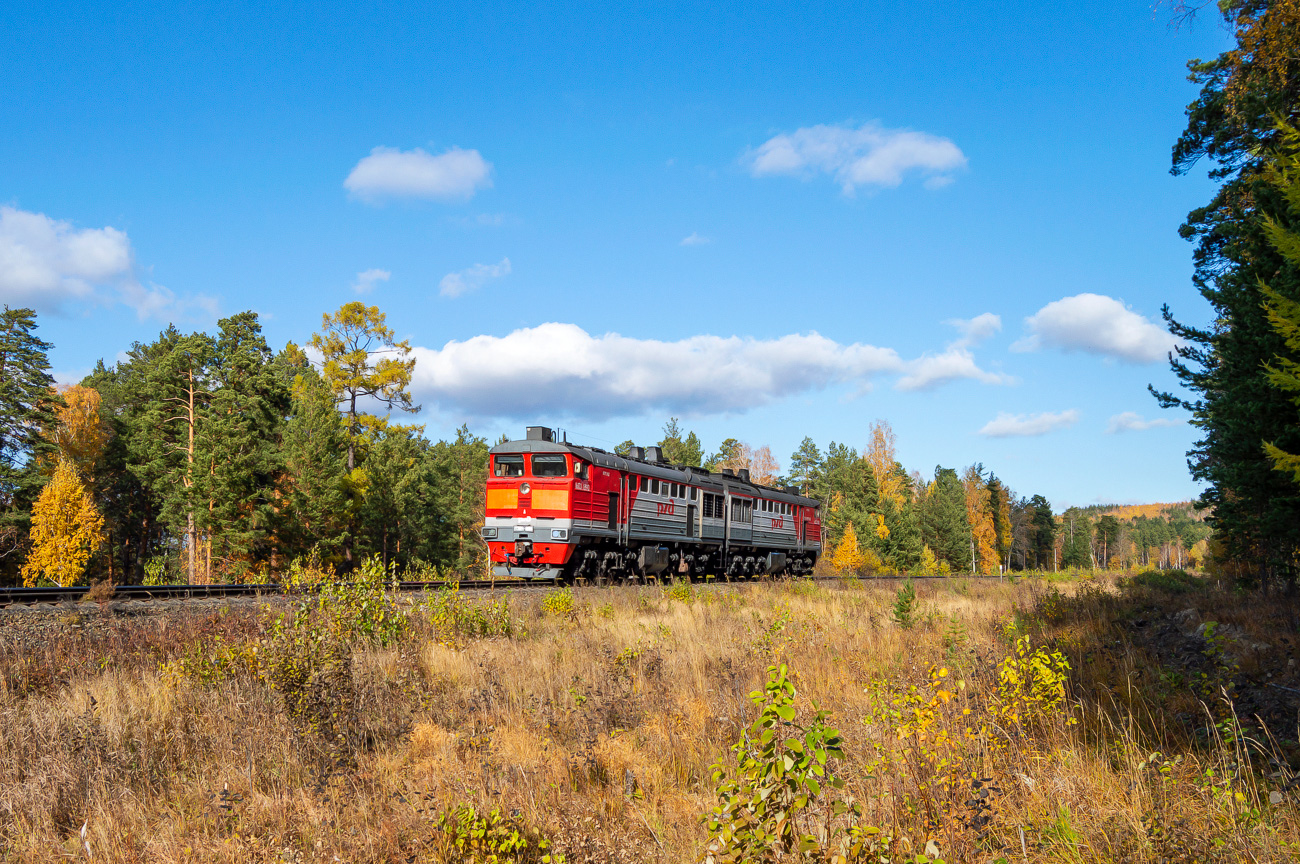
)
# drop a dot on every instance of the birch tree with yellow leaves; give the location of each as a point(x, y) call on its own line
point(66, 530)
point(980, 515)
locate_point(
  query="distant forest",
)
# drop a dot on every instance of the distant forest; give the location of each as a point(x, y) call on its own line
point(207, 457)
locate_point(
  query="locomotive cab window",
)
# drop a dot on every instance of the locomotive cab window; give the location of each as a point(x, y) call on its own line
point(645, 484)
point(550, 465)
point(654, 487)
point(508, 466)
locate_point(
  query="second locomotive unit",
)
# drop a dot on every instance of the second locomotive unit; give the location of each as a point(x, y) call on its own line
point(563, 512)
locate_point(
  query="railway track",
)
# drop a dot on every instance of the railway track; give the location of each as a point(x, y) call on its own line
point(77, 593)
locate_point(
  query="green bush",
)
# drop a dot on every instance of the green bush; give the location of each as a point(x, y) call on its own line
point(1169, 581)
point(559, 603)
point(775, 805)
point(904, 611)
point(474, 838)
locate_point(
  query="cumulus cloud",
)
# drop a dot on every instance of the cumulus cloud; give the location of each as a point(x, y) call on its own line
point(49, 265)
point(387, 172)
point(1027, 425)
point(1131, 421)
point(956, 361)
point(1097, 324)
point(695, 240)
point(472, 278)
point(975, 330)
point(869, 155)
point(368, 279)
point(560, 369)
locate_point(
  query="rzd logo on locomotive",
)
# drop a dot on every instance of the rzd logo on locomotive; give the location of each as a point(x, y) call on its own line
point(666, 508)
point(778, 523)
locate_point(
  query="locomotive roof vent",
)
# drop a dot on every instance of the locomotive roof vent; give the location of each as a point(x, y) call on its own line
point(727, 472)
point(743, 474)
point(654, 454)
point(637, 453)
point(540, 433)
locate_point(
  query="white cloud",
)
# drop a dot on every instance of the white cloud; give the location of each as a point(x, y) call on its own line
point(1023, 425)
point(391, 173)
point(368, 279)
point(1097, 324)
point(1131, 421)
point(956, 362)
point(977, 329)
point(472, 278)
point(561, 370)
point(48, 264)
point(953, 364)
point(695, 240)
point(869, 155)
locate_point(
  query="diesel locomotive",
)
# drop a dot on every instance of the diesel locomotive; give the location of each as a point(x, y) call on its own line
point(563, 512)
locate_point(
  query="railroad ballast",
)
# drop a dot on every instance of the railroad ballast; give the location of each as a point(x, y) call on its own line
point(562, 512)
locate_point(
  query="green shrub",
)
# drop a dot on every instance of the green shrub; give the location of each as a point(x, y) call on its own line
point(559, 603)
point(904, 611)
point(474, 838)
point(1169, 581)
point(775, 805)
point(453, 617)
point(680, 590)
point(310, 666)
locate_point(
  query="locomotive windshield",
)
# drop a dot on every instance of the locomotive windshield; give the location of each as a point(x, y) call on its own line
point(508, 466)
point(550, 465)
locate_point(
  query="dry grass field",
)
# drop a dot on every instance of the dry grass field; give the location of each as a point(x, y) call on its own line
point(1078, 720)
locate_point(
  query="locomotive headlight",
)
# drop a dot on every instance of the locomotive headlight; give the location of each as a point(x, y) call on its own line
point(489, 533)
point(524, 488)
point(559, 533)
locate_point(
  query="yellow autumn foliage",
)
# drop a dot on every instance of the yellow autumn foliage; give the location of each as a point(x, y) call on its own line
point(66, 530)
point(79, 432)
point(929, 564)
point(848, 555)
point(979, 514)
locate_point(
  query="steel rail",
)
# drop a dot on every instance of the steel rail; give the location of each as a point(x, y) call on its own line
point(77, 593)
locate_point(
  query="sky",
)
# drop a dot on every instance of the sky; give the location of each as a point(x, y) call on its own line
point(768, 220)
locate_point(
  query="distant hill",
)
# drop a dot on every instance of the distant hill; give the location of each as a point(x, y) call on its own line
point(1182, 509)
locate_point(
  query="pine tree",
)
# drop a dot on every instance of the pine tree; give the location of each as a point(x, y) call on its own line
point(236, 451)
point(944, 527)
point(1254, 509)
point(678, 450)
point(382, 514)
point(362, 359)
point(1284, 312)
point(1076, 531)
point(462, 468)
point(1108, 534)
point(315, 488)
point(805, 466)
point(25, 409)
point(167, 382)
point(66, 530)
point(1042, 534)
point(903, 545)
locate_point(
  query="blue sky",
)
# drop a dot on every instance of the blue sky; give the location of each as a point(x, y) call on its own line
point(769, 222)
